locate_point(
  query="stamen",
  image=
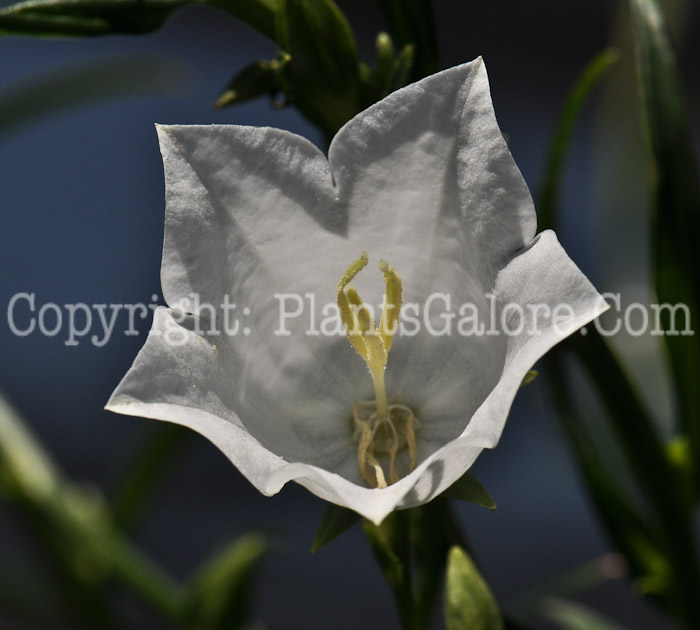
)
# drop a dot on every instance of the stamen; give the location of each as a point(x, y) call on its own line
point(371, 343)
point(381, 429)
point(350, 296)
point(391, 313)
point(388, 437)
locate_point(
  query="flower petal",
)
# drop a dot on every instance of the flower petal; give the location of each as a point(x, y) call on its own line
point(231, 189)
point(543, 276)
point(251, 217)
point(186, 376)
point(426, 151)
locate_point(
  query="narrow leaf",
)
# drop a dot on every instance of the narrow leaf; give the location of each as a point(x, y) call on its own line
point(219, 593)
point(260, 14)
point(657, 478)
point(335, 521)
point(469, 604)
point(573, 616)
point(623, 520)
point(147, 468)
point(75, 18)
point(635, 431)
point(561, 140)
point(75, 523)
point(675, 189)
point(67, 18)
point(94, 82)
point(468, 488)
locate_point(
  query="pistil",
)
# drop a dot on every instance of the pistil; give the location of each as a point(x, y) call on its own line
point(380, 393)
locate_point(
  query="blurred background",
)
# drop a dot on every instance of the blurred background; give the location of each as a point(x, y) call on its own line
point(82, 221)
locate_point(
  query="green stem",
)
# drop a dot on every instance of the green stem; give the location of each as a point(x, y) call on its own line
point(390, 546)
point(411, 548)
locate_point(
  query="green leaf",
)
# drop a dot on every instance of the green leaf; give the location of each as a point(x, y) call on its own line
point(677, 576)
point(323, 76)
point(85, 17)
point(658, 480)
point(467, 488)
point(218, 595)
point(74, 524)
point(623, 519)
point(335, 521)
point(260, 78)
point(260, 14)
point(573, 616)
point(68, 18)
point(469, 604)
point(63, 89)
point(675, 188)
point(561, 140)
point(147, 467)
point(411, 22)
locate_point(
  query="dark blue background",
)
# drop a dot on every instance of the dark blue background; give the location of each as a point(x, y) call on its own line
point(82, 221)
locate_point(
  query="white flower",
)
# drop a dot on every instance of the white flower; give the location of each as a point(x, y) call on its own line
point(255, 216)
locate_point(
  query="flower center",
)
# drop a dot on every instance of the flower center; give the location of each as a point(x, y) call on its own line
point(381, 429)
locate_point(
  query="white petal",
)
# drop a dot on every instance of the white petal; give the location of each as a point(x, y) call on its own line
point(423, 179)
point(187, 371)
point(429, 152)
point(245, 208)
point(541, 275)
point(251, 215)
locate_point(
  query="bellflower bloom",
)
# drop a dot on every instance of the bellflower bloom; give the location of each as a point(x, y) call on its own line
point(266, 244)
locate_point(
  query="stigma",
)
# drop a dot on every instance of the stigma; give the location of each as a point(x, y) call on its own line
point(382, 430)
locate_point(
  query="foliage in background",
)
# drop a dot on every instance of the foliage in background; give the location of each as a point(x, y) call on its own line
point(657, 537)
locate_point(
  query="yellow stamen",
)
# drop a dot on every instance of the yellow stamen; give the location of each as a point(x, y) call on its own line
point(391, 313)
point(381, 428)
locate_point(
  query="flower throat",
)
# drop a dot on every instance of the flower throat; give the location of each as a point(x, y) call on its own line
point(381, 429)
